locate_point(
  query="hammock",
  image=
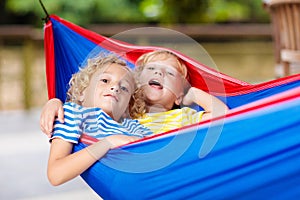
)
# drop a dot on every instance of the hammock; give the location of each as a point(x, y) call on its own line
point(252, 153)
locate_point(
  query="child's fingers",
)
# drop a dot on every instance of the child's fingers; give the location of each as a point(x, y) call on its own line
point(49, 127)
point(45, 128)
point(42, 124)
point(60, 115)
point(51, 109)
point(119, 140)
point(46, 124)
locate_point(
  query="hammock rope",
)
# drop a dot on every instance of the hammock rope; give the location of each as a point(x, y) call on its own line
point(47, 17)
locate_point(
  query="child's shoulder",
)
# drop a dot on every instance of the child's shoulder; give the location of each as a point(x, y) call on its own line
point(183, 109)
point(74, 107)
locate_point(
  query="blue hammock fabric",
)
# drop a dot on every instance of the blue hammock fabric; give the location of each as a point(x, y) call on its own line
point(257, 156)
point(252, 153)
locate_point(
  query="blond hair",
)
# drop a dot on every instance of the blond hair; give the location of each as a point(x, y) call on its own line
point(148, 57)
point(81, 80)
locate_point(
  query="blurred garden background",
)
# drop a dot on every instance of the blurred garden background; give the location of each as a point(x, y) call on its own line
point(236, 34)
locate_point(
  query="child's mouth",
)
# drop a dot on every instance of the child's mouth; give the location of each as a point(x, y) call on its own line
point(155, 84)
point(112, 96)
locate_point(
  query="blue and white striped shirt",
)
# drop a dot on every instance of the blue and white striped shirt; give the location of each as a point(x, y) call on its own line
point(95, 123)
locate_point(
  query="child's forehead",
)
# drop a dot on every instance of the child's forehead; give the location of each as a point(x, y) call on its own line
point(160, 64)
point(115, 69)
point(163, 57)
point(165, 63)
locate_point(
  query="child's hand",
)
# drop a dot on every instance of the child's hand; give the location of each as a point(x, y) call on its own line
point(100, 148)
point(119, 140)
point(52, 109)
point(189, 98)
point(212, 106)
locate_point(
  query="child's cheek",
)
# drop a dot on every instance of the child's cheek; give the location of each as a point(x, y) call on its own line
point(142, 79)
point(176, 87)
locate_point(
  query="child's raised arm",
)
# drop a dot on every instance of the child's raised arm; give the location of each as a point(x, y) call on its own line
point(213, 107)
point(53, 108)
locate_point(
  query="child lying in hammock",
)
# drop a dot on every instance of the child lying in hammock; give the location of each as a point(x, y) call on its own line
point(98, 100)
point(163, 79)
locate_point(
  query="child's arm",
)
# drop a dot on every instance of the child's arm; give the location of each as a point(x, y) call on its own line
point(64, 166)
point(53, 108)
point(212, 106)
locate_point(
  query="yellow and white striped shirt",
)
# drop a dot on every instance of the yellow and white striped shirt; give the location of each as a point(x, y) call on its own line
point(172, 119)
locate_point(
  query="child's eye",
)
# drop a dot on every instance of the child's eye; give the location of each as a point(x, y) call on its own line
point(123, 88)
point(104, 80)
point(171, 73)
point(150, 68)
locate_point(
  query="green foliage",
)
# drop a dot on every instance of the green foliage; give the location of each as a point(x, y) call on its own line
point(81, 12)
point(152, 9)
point(84, 12)
point(222, 11)
point(235, 11)
point(184, 11)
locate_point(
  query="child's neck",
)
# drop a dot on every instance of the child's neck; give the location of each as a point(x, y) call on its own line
point(156, 108)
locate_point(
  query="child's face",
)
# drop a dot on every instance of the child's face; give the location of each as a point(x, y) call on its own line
point(163, 85)
point(110, 89)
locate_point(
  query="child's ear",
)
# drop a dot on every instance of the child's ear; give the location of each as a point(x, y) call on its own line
point(81, 97)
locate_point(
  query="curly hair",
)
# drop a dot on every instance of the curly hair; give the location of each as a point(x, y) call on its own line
point(81, 80)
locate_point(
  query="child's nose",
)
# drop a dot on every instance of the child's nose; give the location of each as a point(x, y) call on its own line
point(115, 88)
point(159, 72)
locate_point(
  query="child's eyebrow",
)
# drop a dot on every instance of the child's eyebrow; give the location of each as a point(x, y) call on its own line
point(103, 75)
point(168, 67)
point(126, 80)
point(161, 64)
